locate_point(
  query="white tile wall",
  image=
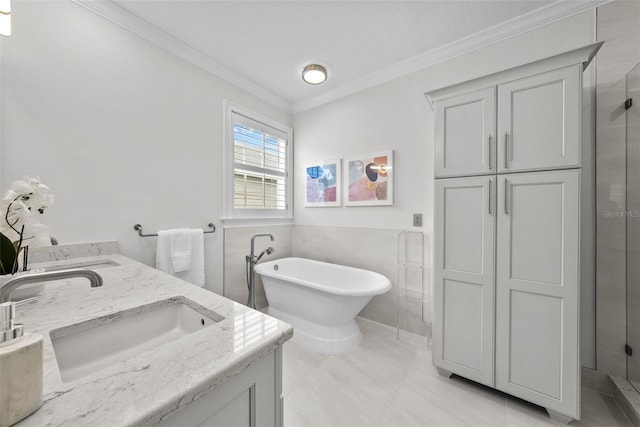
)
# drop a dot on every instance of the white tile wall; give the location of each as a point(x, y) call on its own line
point(371, 249)
point(237, 245)
point(617, 26)
point(367, 248)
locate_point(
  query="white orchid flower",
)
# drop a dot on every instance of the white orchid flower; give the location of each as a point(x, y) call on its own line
point(17, 209)
point(15, 214)
point(40, 197)
point(22, 187)
point(40, 200)
point(32, 193)
point(17, 222)
point(36, 235)
point(10, 195)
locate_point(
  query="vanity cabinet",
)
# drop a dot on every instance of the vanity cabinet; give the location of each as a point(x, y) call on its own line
point(529, 123)
point(250, 398)
point(508, 230)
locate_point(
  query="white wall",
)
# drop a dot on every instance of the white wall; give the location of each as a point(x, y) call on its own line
point(125, 132)
point(122, 131)
point(395, 115)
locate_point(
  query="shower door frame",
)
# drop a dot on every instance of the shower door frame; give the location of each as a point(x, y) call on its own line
point(633, 225)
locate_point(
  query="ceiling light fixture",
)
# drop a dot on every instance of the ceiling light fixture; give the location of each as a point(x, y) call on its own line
point(314, 74)
point(5, 17)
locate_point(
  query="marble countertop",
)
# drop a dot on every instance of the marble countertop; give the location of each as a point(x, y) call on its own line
point(145, 389)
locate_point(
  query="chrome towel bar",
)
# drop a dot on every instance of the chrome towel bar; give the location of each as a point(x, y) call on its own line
point(138, 228)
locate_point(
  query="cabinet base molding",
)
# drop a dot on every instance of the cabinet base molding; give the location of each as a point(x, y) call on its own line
point(627, 397)
point(555, 416)
point(444, 373)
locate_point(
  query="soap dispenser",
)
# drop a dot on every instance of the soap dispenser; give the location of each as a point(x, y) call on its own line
point(20, 369)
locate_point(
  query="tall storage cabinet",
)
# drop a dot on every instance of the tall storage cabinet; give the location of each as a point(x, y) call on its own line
point(507, 231)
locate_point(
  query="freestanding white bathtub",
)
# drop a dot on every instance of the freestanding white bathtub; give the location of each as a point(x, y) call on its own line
point(320, 300)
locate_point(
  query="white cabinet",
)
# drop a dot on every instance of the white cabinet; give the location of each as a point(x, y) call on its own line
point(508, 230)
point(508, 246)
point(465, 134)
point(537, 288)
point(533, 124)
point(539, 121)
point(251, 398)
point(464, 259)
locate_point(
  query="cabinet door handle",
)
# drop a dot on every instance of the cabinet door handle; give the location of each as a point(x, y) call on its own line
point(506, 196)
point(489, 196)
point(506, 150)
point(489, 154)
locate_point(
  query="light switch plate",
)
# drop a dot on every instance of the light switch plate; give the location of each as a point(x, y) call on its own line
point(417, 220)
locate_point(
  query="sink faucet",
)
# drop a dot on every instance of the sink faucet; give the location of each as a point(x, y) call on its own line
point(11, 285)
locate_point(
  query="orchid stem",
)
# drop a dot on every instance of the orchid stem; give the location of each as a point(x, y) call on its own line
point(14, 270)
point(25, 256)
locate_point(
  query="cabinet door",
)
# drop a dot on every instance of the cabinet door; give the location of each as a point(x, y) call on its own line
point(464, 277)
point(537, 289)
point(249, 398)
point(465, 134)
point(539, 121)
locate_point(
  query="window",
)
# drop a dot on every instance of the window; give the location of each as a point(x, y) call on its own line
point(258, 159)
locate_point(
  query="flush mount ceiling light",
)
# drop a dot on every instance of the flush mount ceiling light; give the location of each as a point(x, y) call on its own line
point(314, 74)
point(5, 17)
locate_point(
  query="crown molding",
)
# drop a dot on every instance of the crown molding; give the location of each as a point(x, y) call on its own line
point(131, 22)
point(538, 18)
point(556, 11)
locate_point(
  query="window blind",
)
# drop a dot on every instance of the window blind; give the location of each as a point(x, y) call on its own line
point(259, 165)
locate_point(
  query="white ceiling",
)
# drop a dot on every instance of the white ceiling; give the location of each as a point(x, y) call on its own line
point(267, 43)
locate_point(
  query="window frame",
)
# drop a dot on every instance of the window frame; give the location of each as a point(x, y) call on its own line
point(258, 216)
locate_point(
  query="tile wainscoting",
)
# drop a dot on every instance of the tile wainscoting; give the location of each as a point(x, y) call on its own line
point(237, 245)
point(371, 249)
point(367, 248)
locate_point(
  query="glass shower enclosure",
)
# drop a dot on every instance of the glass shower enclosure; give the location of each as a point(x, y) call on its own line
point(633, 226)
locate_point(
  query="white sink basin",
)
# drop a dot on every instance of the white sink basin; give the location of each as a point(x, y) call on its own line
point(87, 347)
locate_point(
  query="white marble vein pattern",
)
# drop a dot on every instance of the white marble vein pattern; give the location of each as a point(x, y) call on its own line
point(77, 250)
point(142, 390)
point(391, 382)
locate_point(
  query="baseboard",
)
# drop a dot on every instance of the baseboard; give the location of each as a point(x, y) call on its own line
point(627, 398)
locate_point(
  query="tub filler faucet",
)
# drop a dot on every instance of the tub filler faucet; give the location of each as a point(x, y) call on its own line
point(251, 261)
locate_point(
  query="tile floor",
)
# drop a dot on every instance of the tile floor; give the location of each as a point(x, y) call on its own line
point(391, 382)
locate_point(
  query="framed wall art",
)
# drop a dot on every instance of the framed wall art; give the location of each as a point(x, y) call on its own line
point(368, 179)
point(322, 183)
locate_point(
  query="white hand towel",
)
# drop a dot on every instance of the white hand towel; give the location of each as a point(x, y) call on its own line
point(195, 274)
point(164, 260)
point(181, 249)
point(163, 252)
